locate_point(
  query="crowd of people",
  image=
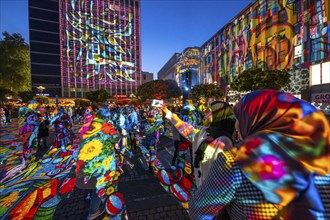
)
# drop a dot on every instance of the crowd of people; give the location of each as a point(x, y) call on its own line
point(268, 157)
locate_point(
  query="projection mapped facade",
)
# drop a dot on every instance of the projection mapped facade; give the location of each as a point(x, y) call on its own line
point(268, 34)
point(100, 46)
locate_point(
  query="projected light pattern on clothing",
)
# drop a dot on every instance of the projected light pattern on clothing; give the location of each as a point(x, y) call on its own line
point(98, 44)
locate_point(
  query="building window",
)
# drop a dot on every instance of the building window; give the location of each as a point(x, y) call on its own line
point(317, 50)
point(270, 57)
point(316, 73)
point(326, 72)
point(283, 51)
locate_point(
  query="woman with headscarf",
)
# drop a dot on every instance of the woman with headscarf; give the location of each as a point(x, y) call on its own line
point(208, 140)
point(281, 170)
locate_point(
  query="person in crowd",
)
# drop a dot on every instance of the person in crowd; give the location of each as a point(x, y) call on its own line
point(62, 129)
point(151, 132)
point(98, 167)
point(131, 126)
point(3, 121)
point(43, 130)
point(207, 140)
point(28, 125)
point(181, 144)
point(7, 114)
point(202, 105)
point(281, 170)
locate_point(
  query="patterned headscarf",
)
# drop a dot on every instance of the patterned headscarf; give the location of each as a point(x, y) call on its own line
point(220, 111)
point(286, 142)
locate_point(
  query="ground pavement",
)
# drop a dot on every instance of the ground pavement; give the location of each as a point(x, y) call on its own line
point(144, 197)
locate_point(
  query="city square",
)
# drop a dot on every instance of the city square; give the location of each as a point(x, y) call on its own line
point(137, 109)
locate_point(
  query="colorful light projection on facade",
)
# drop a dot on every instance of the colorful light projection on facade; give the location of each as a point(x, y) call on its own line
point(187, 68)
point(98, 42)
point(272, 34)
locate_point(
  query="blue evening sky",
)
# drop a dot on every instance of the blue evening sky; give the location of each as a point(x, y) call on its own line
point(167, 26)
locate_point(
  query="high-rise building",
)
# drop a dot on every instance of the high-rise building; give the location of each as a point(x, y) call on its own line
point(94, 44)
point(45, 46)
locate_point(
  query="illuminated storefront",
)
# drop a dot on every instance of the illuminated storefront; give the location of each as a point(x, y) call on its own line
point(100, 46)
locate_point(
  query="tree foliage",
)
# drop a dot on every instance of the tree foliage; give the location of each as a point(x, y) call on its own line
point(256, 79)
point(206, 90)
point(14, 63)
point(159, 89)
point(26, 95)
point(3, 93)
point(173, 88)
point(82, 103)
point(98, 95)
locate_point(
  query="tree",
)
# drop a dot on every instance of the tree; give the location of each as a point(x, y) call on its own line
point(158, 89)
point(102, 95)
point(256, 79)
point(14, 63)
point(98, 95)
point(91, 95)
point(82, 103)
point(173, 88)
point(3, 93)
point(26, 95)
point(206, 90)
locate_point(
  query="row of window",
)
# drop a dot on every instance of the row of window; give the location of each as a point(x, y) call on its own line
point(45, 70)
point(44, 25)
point(46, 4)
point(44, 47)
point(43, 14)
point(44, 37)
point(44, 58)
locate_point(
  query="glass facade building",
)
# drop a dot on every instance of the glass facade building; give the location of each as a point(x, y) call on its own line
point(45, 46)
point(85, 45)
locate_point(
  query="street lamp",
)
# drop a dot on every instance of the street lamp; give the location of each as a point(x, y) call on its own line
point(41, 88)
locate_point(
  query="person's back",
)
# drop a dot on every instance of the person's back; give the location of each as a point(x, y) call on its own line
point(281, 170)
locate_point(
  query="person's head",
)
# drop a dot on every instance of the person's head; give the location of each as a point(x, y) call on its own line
point(202, 100)
point(218, 111)
point(286, 141)
point(270, 110)
point(151, 120)
point(104, 114)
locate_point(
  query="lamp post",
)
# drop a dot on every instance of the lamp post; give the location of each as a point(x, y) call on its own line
point(41, 89)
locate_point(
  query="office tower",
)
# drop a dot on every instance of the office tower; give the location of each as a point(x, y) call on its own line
point(86, 45)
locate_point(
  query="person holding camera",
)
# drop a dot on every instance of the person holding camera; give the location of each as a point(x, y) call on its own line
point(208, 140)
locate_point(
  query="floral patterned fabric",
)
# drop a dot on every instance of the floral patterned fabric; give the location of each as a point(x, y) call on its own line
point(287, 143)
point(99, 161)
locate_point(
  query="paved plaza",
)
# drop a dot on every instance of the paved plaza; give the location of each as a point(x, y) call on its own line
point(144, 197)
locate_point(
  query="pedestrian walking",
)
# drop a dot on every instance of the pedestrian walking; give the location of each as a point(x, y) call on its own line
point(98, 167)
point(151, 132)
point(43, 132)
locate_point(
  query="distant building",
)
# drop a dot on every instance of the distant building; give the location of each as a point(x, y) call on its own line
point(271, 35)
point(169, 70)
point(81, 46)
point(147, 77)
point(183, 68)
point(188, 68)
